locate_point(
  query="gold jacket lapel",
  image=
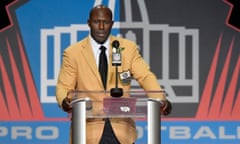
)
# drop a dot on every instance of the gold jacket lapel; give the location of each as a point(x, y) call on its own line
point(89, 57)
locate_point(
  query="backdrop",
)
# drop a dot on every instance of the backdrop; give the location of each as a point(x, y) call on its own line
point(193, 46)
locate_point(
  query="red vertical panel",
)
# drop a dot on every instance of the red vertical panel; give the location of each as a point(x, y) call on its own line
point(214, 112)
point(4, 115)
point(35, 105)
point(229, 100)
point(21, 95)
point(4, 111)
point(236, 108)
point(11, 105)
point(203, 108)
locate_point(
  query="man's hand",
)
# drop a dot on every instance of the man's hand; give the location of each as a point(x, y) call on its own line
point(66, 104)
point(166, 107)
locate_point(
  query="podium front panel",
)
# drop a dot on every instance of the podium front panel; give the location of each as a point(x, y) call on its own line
point(100, 104)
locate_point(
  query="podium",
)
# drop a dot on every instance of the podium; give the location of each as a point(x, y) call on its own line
point(133, 104)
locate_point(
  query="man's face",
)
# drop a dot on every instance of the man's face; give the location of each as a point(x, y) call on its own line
point(100, 24)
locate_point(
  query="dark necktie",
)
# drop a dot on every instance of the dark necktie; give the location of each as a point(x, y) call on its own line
point(108, 136)
point(103, 66)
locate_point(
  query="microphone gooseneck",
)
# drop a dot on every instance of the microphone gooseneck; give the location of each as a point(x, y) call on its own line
point(116, 61)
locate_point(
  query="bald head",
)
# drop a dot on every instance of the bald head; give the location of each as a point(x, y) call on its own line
point(107, 10)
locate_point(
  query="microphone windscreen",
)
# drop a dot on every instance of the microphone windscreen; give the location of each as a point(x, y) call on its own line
point(115, 43)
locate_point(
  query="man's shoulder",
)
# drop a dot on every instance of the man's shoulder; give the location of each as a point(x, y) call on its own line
point(77, 46)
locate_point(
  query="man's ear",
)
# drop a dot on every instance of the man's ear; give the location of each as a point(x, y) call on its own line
point(112, 23)
point(88, 22)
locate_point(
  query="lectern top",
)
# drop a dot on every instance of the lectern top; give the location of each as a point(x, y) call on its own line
point(100, 104)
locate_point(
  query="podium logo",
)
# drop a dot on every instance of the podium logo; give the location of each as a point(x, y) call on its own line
point(125, 109)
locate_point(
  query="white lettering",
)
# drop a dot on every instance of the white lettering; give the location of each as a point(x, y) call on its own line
point(163, 128)
point(180, 132)
point(238, 132)
point(52, 130)
point(27, 132)
point(21, 132)
point(223, 135)
point(204, 131)
point(3, 131)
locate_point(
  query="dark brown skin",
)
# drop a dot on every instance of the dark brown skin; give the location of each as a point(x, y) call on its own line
point(166, 107)
point(100, 23)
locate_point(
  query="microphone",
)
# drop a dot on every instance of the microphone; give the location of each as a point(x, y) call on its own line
point(116, 55)
point(116, 61)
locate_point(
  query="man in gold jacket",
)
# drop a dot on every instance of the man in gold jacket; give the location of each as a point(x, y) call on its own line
point(79, 71)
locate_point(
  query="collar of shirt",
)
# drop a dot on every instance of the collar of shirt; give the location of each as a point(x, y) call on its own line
point(96, 48)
